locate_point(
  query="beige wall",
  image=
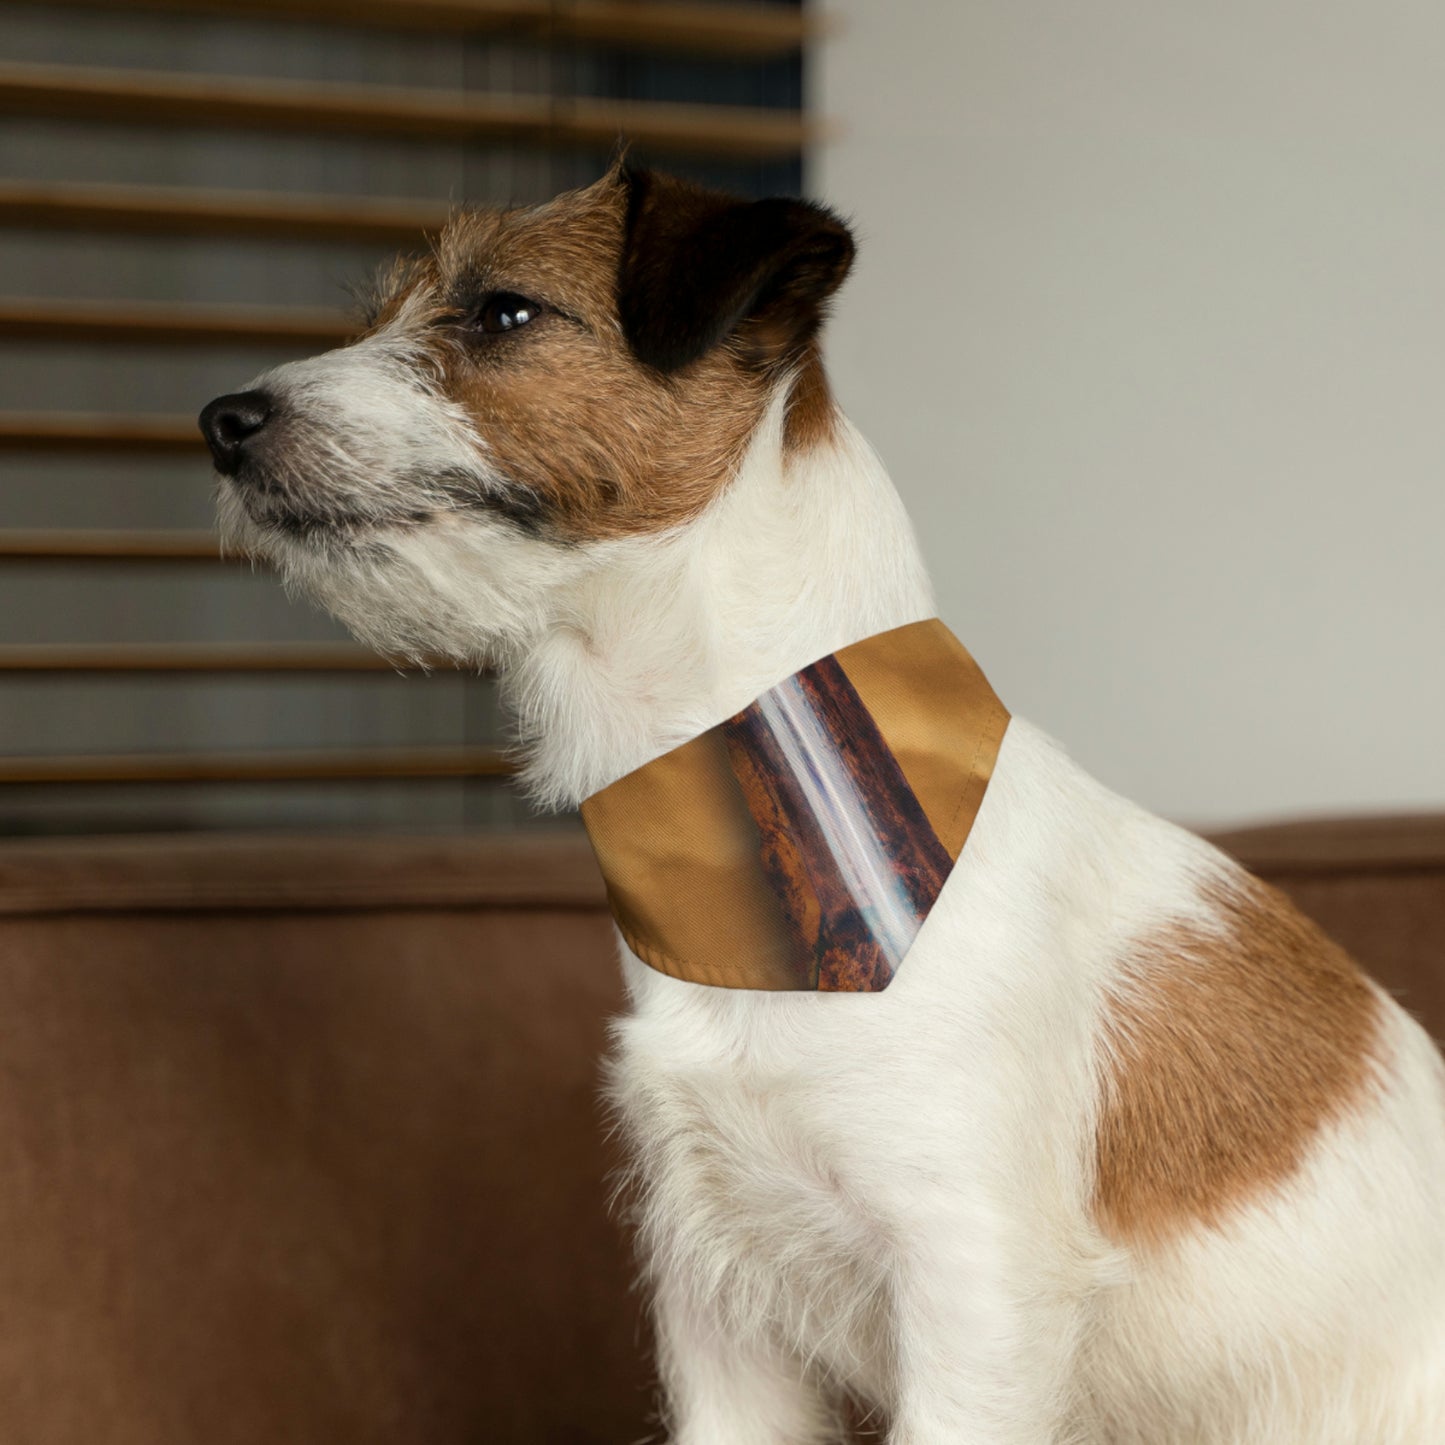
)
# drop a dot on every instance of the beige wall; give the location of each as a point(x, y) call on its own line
point(1149, 324)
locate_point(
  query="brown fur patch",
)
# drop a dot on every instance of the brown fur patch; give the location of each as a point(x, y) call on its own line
point(812, 413)
point(1228, 1053)
point(595, 442)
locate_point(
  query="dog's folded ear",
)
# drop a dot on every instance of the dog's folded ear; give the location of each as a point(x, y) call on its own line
point(699, 267)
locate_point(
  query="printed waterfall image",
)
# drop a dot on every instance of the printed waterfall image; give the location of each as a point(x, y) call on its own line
point(801, 843)
point(845, 844)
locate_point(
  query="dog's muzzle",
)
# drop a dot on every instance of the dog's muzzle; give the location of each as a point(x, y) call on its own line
point(231, 425)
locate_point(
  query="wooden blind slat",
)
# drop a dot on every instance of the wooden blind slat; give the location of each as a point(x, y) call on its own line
point(182, 657)
point(159, 98)
point(168, 323)
point(754, 31)
point(705, 29)
point(93, 431)
point(109, 546)
point(172, 210)
point(256, 767)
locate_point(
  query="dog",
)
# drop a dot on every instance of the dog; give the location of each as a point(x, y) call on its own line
point(1126, 1153)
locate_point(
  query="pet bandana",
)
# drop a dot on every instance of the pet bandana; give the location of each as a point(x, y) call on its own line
point(802, 843)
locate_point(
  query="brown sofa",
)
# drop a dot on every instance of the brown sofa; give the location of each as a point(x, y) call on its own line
point(299, 1141)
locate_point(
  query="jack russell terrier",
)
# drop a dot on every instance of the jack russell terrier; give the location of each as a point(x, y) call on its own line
point(954, 1084)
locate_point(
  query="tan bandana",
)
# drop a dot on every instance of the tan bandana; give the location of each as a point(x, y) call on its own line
point(801, 844)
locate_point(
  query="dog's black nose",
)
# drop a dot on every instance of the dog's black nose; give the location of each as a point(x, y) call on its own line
point(229, 422)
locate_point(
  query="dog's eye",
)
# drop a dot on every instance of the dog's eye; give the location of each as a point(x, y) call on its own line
point(506, 311)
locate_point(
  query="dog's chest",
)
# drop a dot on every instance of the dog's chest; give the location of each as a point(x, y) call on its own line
point(750, 1183)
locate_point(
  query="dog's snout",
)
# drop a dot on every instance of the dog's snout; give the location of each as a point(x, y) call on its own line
point(229, 422)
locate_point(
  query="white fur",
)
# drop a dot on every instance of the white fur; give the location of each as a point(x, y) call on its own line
point(890, 1193)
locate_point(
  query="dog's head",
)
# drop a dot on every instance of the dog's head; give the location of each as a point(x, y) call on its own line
point(547, 382)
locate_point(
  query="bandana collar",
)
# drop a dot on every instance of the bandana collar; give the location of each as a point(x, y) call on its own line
point(801, 844)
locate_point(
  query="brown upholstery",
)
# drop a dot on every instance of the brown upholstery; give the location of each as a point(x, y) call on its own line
point(299, 1142)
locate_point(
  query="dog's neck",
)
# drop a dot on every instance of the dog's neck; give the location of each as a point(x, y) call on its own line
point(804, 553)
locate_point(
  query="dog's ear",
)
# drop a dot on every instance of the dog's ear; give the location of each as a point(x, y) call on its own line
point(699, 266)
